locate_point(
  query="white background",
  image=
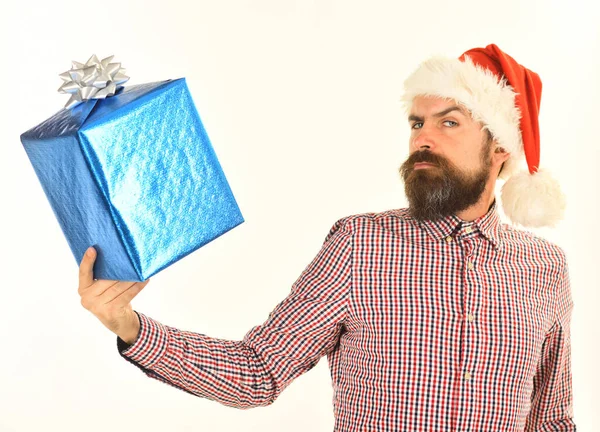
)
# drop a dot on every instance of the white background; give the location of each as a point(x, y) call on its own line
point(300, 99)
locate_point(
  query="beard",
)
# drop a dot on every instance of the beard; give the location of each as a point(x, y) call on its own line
point(442, 190)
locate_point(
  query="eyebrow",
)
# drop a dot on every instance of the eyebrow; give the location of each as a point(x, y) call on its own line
point(413, 117)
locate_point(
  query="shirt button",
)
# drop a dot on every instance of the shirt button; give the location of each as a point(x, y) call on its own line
point(467, 376)
point(470, 317)
point(470, 265)
point(468, 230)
point(448, 239)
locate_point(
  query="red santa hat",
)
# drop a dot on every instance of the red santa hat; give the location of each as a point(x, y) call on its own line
point(505, 96)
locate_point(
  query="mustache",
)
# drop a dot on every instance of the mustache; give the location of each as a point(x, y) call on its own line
point(407, 168)
point(425, 156)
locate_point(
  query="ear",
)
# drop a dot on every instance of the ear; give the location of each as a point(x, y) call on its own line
point(500, 155)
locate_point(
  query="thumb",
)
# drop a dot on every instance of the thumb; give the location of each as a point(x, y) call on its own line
point(86, 267)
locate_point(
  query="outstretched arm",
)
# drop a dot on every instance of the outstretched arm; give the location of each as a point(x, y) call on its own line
point(253, 372)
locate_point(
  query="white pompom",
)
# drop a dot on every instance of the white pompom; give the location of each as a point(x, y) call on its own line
point(533, 200)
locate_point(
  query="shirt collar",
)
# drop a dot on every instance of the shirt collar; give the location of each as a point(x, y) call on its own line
point(489, 225)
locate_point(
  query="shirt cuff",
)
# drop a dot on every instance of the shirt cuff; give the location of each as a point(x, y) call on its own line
point(150, 346)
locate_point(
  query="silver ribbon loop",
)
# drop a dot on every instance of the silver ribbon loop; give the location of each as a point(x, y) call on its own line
point(94, 79)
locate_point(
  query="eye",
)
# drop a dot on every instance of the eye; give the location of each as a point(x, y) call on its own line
point(451, 121)
point(415, 124)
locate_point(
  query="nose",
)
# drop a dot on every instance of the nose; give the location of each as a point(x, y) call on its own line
point(424, 139)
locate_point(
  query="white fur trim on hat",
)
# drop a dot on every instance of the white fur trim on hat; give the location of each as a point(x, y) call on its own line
point(533, 200)
point(489, 99)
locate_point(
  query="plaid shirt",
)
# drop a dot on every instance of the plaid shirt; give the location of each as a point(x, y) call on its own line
point(433, 326)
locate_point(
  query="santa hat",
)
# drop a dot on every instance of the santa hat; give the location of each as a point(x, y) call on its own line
point(505, 97)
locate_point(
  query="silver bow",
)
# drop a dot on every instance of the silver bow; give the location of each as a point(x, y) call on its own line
point(96, 79)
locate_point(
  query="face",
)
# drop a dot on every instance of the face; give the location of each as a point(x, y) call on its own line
point(451, 159)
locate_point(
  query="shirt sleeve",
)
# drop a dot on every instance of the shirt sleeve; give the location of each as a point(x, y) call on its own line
point(253, 372)
point(552, 398)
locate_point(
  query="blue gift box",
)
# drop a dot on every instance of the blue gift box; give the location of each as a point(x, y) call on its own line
point(134, 175)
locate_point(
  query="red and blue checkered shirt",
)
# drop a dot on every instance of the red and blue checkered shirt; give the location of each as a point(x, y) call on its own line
point(427, 326)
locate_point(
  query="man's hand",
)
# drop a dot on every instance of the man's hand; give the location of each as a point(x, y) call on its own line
point(109, 300)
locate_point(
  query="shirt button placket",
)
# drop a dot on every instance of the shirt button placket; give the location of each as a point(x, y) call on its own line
point(468, 360)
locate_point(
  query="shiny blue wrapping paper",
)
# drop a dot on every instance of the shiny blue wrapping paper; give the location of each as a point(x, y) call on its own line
point(134, 175)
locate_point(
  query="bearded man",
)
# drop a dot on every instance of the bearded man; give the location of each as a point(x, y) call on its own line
point(435, 317)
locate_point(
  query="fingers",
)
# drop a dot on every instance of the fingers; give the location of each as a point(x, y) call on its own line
point(86, 268)
point(115, 297)
point(130, 293)
point(122, 292)
point(99, 287)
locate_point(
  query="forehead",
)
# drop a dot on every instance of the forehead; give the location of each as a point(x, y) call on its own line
point(430, 105)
